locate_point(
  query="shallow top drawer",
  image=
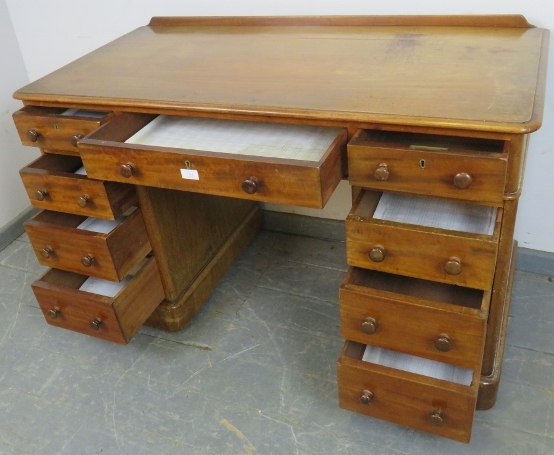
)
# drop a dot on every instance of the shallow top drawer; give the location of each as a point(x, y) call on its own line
point(284, 164)
point(57, 128)
point(455, 167)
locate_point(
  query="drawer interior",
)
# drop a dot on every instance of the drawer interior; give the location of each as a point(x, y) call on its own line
point(418, 288)
point(57, 163)
point(426, 142)
point(63, 112)
point(428, 212)
point(91, 224)
point(257, 140)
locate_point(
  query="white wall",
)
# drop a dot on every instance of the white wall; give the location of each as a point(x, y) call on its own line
point(56, 32)
point(13, 156)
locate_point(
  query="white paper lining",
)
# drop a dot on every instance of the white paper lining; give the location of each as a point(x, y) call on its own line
point(438, 213)
point(417, 365)
point(296, 142)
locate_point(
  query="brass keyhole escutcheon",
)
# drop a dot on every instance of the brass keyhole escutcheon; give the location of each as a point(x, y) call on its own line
point(187, 164)
point(422, 164)
point(56, 127)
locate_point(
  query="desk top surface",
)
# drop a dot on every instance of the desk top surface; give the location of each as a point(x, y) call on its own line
point(481, 73)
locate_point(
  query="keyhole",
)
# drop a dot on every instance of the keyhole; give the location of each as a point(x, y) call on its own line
point(187, 164)
point(56, 127)
point(422, 164)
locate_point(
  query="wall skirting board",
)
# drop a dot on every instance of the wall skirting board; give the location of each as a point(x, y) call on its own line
point(527, 260)
point(14, 228)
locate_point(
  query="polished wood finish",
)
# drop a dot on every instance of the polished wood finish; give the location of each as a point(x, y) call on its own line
point(410, 315)
point(459, 168)
point(186, 231)
point(419, 251)
point(45, 127)
point(60, 189)
point(120, 317)
point(455, 98)
point(104, 153)
point(174, 315)
point(405, 398)
point(110, 256)
point(370, 71)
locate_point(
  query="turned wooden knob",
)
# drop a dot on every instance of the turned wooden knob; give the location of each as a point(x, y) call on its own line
point(95, 324)
point(377, 253)
point(462, 180)
point(126, 170)
point(47, 251)
point(40, 195)
point(442, 343)
point(436, 418)
point(54, 312)
point(369, 325)
point(453, 266)
point(75, 139)
point(251, 185)
point(87, 260)
point(84, 200)
point(366, 397)
point(382, 172)
point(32, 135)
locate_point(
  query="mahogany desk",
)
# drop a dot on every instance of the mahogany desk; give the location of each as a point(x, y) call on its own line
point(431, 106)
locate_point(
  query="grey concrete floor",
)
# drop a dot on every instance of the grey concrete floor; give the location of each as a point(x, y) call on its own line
point(254, 373)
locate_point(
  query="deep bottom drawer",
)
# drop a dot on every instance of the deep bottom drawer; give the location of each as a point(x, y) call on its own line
point(115, 318)
point(416, 401)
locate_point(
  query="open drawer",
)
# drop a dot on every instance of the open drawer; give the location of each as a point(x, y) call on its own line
point(115, 317)
point(58, 129)
point(464, 168)
point(90, 246)
point(58, 182)
point(284, 164)
point(414, 400)
point(446, 254)
point(434, 320)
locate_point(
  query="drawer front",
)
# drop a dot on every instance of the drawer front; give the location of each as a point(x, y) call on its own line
point(58, 243)
point(114, 319)
point(415, 401)
point(49, 128)
point(402, 322)
point(432, 254)
point(262, 178)
point(51, 184)
point(453, 173)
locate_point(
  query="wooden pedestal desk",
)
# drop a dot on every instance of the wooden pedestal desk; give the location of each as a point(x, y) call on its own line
point(431, 107)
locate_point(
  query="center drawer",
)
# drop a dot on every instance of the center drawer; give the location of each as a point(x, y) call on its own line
point(283, 164)
point(58, 182)
point(90, 246)
point(431, 253)
point(438, 321)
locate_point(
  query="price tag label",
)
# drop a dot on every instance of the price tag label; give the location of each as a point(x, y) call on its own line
point(190, 174)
